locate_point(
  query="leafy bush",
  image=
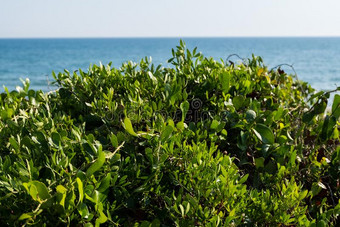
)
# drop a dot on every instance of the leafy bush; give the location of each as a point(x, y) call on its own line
point(200, 143)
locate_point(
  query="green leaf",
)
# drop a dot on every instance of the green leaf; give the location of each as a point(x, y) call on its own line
point(278, 114)
point(37, 190)
point(181, 42)
point(317, 109)
point(114, 140)
point(214, 124)
point(321, 223)
point(224, 132)
point(33, 191)
point(181, 125)
point(128, 126)
point(264, 133)
point(320, 108)
point(80, 189)
point(61, 189)
point(225, 81)
point(101, 219)
point(184, 108)
point(188, 208)
point(14, 144)
point(243, 179)
point(61, 196)
point(26, 216)
point(166, 133)
point(156, 223)
point(232, 212)
point(42, 190)
point(182, 209)
point(105, 183)
point(144, 224)
point(250, 115)
point(259, 162)
point(152, 77)
point(336, 106)
point(56, 138)
point(140, 189)
point(83, 211)
point(307, 117)
point(316, 188)
point(238, 101)
point(292, 158)
point(328, 127)
point(97, 164)
point(7, 114)
point(303, 194)
point(89, 224)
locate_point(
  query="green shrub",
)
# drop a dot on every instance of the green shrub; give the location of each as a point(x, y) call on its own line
point(200, 143)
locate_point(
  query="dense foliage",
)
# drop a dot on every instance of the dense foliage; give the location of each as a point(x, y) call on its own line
point(199, 143)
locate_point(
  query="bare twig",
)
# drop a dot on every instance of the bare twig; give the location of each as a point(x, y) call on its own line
point(236, 55)
point(331, 193)
point(295, 74)
point(109, 156)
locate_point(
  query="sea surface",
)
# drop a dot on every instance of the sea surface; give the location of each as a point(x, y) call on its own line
point(316, 60)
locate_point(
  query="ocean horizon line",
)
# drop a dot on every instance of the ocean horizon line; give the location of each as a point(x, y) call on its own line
point(175, 37)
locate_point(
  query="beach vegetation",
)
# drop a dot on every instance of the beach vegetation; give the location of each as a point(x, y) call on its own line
point(199, 142)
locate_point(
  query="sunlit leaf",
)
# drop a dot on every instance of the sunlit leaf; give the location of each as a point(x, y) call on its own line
point(264, 133)
point(128, 126)
point(97, 164)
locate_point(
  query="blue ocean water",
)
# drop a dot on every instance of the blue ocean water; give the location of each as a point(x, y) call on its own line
point(316, 60)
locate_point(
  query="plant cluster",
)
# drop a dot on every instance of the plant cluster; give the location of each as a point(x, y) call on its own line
point(199, 143)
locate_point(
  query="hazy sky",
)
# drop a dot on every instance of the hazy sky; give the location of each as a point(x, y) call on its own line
point(160, 18)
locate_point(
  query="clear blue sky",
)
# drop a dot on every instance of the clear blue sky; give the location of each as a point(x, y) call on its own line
point(168, 18)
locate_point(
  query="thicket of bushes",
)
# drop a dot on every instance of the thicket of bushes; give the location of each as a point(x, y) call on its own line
point(202, 142)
